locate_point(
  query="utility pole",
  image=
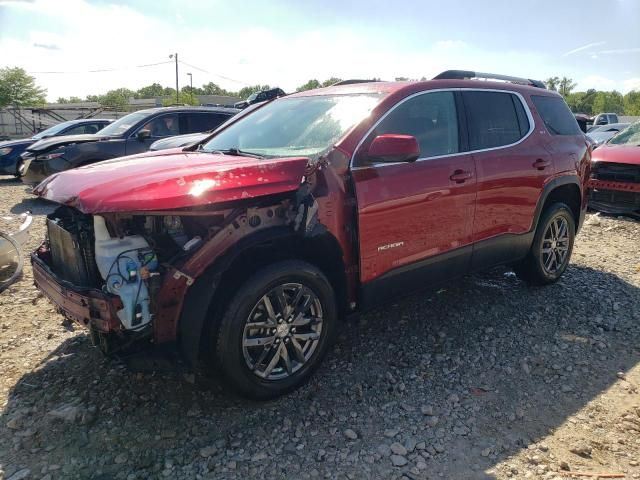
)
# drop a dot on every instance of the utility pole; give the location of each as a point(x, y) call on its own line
point(177, 89)
point(191, 88)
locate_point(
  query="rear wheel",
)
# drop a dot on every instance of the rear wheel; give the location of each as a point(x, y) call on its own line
point(20, 169)
point(276, 329)
point(551, 249)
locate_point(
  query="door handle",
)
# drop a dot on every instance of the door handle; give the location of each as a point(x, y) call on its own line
point(541, 164)
point(460, 176)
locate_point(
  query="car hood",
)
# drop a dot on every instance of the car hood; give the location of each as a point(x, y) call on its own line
point(62, 140)
point(178, 141)
point(171, 180)
point(617, 154)
point(17, 143)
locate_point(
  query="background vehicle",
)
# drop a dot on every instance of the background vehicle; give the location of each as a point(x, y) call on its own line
point(131, 134)
point(601, 134)
point(584, 121)
point(604, 119)
point(248, 249)
point(10, 161)
point(261, 96)
point(615, 174)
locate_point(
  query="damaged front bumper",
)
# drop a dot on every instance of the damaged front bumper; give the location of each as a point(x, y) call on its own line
point(614, 197)
point(91, 308)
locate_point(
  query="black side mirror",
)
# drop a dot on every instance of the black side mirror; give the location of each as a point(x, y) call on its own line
point(143, 134)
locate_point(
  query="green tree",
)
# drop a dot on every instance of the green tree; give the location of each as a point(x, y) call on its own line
point(213, 89)
point(183, 98)
point(310, 85)
point(117, 98)
point(150, 91)
point(566, 85)
point(331, 81)
point(632, 103)
point(71, 99)
point(552, 83)
point(19, 89)
point(608, 102)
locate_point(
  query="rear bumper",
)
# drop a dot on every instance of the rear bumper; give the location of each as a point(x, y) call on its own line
point(89, 307)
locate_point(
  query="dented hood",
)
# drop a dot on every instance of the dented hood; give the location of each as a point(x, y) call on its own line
point(617, 154)
point(169, 180)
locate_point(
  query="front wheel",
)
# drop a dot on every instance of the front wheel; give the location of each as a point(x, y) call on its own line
point(551, 249)
point(20, 169)
point(276, 329)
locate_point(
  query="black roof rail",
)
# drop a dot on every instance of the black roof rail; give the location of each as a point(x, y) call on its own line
point(352, 81)
point(467, 74)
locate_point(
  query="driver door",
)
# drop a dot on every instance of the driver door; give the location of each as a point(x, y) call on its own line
point(415, 219)
point(161, 126)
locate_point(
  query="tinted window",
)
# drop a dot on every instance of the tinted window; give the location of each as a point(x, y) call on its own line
point(163, 126)
point(494, 119)
point(202, 122)
point(556, 115)
point(431, 118)
point(80, 129)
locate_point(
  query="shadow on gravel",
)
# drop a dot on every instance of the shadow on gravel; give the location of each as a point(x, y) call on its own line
point(499, 364)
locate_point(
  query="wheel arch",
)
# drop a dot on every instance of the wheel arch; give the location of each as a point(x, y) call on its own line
point(212, 291)
point(565, 189)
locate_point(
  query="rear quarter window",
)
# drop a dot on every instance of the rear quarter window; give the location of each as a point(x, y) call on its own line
point(495, 119)
point(556, 115)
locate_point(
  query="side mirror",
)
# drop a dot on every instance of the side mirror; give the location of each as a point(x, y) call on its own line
point(392, 147)
point(143, 134)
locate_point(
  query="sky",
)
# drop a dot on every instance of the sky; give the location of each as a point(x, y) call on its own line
point(284, 43)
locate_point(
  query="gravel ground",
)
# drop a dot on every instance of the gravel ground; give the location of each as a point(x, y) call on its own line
point(485, 378)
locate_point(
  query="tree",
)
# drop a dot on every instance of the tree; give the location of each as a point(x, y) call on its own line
point(71, 99)
point(213, 89)
point(183, 98)
point(151, 91)
point(19, 89)
point(117, 98)
point(310, 85)
point(608, 102)
point(552, 83)
point(330, 81)
point(566, 85)
point(632, 103)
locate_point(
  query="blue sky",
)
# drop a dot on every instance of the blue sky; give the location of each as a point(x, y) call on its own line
point(285, 43)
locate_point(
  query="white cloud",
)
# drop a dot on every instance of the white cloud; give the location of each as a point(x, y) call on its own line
point(631, 84)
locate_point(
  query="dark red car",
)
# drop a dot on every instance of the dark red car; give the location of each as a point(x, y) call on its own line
point(246, 251)
point(615, 174)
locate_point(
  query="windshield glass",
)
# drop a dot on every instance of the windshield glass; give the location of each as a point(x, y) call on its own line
point(252, 97)
point(628, 136)
point(123, 124)
point(291, 127)
point(52, 130)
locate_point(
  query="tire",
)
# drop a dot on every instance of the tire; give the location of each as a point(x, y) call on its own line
point(245, 351)
point(548, 259)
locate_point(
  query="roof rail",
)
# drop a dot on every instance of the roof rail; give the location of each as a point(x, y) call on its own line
point(467, 74)
point(352, 81)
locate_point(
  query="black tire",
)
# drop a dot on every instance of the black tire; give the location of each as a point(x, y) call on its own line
point(532, 268)
point(232, 358)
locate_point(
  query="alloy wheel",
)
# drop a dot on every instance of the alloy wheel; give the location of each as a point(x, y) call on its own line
point(555, 245)
point(282, 331)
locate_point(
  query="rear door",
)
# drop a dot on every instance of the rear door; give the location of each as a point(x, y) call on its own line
point(196, 122)
point(512, 168)
point(415, 219)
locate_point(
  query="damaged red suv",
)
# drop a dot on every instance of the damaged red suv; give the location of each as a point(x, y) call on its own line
point(246, 250)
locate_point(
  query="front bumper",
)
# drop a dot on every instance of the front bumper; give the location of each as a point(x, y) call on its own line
point(614, 197)
point(35, 171)
point(89, 307)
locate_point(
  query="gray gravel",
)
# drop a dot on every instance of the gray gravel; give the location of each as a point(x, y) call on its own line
point(483, 378)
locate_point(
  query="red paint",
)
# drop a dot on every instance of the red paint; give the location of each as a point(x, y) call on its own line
point(608, 152)
point(394, 147)
point(170, 181)
point(607, 185)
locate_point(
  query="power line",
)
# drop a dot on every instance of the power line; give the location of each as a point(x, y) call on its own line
point(215, 74)
point(102, 70)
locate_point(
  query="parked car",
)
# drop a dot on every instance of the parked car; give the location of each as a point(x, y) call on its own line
point(245, 252)
point(131, 134)
point(584, 121)
point(603, 133)
point(12, 164)
point(604, 119)
point(614, 186)
point(261, 96)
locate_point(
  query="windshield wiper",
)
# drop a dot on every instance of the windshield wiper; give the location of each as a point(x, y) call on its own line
point(236, 152)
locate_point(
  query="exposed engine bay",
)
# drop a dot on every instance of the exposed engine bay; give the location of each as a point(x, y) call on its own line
point(134, 257)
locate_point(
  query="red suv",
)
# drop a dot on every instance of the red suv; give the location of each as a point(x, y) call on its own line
point(246, 249)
